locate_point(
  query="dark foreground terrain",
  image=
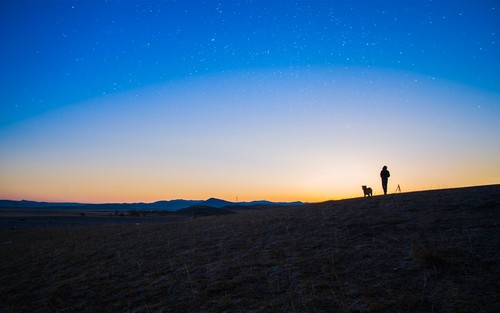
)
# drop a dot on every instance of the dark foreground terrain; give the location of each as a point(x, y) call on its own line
point(434, 251)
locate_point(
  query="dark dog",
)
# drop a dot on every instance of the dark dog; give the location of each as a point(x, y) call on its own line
point(367, 191)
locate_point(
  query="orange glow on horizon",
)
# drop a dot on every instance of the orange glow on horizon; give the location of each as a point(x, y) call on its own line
point(312, 137)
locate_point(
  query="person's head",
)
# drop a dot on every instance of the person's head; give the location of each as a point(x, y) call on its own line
point(384, 168)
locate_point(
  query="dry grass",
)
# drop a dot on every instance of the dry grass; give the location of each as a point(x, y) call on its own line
point(433, 251)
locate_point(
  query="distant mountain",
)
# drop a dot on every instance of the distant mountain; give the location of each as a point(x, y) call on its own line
point(173, 205)
point(216, 203)
point(164, 205)
point(35, 204)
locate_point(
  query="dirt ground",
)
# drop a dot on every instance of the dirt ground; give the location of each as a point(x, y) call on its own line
point(433, 251)
point(35, 219)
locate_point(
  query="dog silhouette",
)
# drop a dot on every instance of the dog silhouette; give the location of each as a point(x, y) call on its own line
point(367, 191)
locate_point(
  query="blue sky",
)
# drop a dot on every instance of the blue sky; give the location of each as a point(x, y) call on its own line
point(255, 59)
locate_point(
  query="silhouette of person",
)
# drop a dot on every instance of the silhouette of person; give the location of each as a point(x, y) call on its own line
point(384, 174)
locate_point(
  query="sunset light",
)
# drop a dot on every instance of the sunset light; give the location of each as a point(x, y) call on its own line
point(307, 105)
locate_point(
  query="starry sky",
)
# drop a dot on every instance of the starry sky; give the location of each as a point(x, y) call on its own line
point(138, 101)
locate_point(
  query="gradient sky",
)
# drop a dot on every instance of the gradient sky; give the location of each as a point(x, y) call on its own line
point(128, 101)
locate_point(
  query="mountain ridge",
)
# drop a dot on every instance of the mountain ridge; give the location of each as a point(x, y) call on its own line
point(161, 205)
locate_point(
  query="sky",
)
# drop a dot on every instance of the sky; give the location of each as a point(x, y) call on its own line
point(139, 101)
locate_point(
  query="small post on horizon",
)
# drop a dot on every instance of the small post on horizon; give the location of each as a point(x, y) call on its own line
point(398, 189)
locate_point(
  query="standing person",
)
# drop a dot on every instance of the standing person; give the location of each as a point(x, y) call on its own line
point(384, 174)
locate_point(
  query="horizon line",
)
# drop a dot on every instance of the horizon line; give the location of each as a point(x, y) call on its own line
point(261, 200)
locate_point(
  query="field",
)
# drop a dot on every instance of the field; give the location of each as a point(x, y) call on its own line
point(39, 218)
point(432, 251)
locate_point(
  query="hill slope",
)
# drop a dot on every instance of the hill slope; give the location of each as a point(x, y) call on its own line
point(427, 251)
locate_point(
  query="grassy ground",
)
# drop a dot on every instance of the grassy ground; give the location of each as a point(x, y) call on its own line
point(434, 251)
